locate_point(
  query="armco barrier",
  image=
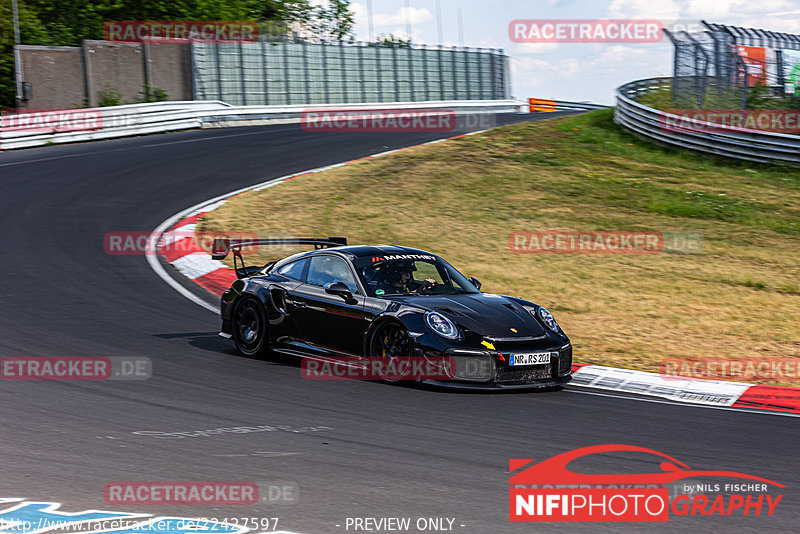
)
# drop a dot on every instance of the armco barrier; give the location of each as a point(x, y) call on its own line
point(139, 119)
point(546, 105)
point(751, 145)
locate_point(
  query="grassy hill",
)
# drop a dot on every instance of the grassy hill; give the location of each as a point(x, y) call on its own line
point(738, 297)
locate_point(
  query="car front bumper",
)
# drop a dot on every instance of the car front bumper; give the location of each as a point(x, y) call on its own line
point(492, 370)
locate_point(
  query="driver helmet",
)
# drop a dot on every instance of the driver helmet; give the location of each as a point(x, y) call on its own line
point(394, 270)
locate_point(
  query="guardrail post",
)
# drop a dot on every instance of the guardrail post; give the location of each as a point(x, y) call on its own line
point(241, 73)
point(265, 71)
point(286, 70)
point(88, 82)
point(363, 73)
point(305, 72)
point(219, 71)
point(326, 84)
point(394, 69)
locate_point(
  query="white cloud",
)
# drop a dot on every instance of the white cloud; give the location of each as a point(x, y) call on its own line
point(533, 48)
point(644, 9)
point(415, 16)
point(391, 23)
point(538, 72)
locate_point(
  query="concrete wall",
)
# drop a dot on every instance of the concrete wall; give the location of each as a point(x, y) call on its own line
point(64, 77)
point(118, 66)
point(55, 74)
point(171, 69)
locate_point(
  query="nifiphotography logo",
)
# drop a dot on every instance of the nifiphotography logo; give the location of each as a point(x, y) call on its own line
point(549, 491)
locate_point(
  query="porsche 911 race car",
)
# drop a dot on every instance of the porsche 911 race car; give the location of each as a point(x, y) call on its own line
point(384, 301)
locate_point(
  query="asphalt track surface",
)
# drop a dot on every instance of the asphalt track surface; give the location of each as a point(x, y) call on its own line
point(385, 450)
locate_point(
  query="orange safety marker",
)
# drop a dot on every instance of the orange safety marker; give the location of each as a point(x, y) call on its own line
point(541, 104)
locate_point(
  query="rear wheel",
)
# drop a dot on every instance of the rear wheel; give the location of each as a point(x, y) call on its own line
point(249, 327)
point(390, 343)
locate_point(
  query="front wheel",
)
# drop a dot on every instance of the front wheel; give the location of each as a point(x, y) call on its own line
point(390, 344)
point(250, 328)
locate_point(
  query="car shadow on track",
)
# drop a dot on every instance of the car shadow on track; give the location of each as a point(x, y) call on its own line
point(211, 341)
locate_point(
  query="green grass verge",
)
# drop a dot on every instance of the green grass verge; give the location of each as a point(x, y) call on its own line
point(736, 298)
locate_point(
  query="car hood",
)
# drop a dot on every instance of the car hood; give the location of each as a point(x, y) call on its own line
point(486, 314)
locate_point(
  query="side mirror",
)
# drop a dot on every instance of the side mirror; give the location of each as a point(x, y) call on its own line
point(475, 282)
point(220, 248)
point(341, 289)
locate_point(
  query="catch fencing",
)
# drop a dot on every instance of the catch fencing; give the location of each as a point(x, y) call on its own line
point(287, 73)
point(725, 64)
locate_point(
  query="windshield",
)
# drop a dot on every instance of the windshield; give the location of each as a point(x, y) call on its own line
point(417, 274)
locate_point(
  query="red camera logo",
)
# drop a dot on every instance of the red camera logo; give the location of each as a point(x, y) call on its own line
point(535, 494)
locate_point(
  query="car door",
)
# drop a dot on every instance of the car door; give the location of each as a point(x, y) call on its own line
point(328, 322)
point(282, 322)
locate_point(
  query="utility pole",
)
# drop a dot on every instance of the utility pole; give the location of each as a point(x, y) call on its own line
point(439, 19)
point(16, 20)
point(460, 28)
point(408, 18)
point(17, 66)
point(369, 20)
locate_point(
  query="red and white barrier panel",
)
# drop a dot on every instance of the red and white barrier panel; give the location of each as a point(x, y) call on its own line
point(689, 390)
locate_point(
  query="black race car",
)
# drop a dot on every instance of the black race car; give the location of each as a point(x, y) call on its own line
point(383, 301)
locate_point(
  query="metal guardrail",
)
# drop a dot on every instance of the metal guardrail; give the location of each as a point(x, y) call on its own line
point(566, 105)
point(546, 105)
point(140, 119)
point(753, 145)
point(255, 115)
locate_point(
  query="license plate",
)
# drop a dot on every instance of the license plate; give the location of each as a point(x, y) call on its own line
point(537, 358)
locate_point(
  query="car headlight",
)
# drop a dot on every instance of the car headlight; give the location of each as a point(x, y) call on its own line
point(548, 319)
point(441, 325)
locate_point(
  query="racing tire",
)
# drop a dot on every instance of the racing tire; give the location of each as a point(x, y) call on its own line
point(390, 341)
point(250, 328)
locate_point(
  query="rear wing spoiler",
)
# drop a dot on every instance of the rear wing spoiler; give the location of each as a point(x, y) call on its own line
point(223, 246)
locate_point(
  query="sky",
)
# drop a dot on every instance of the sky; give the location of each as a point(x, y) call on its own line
point(568, 71)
